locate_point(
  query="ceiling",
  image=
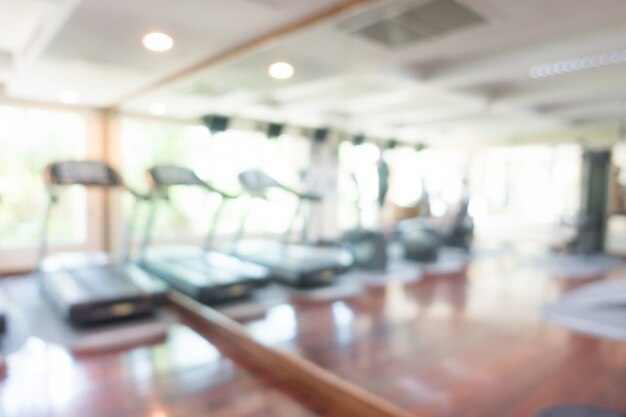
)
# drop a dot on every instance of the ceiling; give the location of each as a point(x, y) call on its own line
point(440, 71)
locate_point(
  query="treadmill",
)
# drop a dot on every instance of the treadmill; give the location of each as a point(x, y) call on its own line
point(299, 265)
point(201, 273)
point(89, 288)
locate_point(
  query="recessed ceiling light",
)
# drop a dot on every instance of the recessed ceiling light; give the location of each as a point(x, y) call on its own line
point(158, 109)
point(68, 97)
point(281, 70)
point(158, 42)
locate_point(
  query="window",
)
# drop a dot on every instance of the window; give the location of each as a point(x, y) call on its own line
point(521, 193)
point(443, 172)
point(217, 159)
point(358, 184)
point(406, 176)
point(30, 139)
point(533, 184)
point(144, 144)
point(440, 171)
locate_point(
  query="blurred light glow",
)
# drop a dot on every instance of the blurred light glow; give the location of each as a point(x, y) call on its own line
point(157, 42)
point(280, 325)
point(281, 70)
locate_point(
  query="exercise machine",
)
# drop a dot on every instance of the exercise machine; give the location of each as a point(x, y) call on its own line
point(591, 222)
point(456, 233)
point(368, 246)
point(201, 273)
point(299, 265)
point(90, 288)
point(422, 238)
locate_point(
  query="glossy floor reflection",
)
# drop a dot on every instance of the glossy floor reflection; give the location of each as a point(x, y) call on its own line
point(185, 376)
point(470, 344)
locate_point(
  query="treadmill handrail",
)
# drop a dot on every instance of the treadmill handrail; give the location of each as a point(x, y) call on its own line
point(53, 180)
point(152, 175)
point(182, 177)
point(256, 182)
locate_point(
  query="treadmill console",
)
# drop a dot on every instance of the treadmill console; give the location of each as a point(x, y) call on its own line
point(83, 172)
point(169, 175)
point(257, 181)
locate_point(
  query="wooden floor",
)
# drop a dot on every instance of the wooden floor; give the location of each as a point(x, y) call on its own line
point(470, 344)
point(184, 376)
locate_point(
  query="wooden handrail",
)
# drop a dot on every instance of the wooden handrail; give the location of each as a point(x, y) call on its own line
point(339, 395)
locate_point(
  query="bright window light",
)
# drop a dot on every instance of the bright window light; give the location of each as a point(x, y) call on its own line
point(158, 109)
point(68, 97)
point(39, 137)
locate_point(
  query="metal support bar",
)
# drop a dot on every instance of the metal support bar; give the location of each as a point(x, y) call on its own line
point(208, 240)
point(287, 233)
point(306, 222)
point(43, 240)
point(125, 250)
point(147, 235)
point(242, 226)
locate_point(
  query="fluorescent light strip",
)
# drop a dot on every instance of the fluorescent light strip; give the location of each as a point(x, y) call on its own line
point(582, 63)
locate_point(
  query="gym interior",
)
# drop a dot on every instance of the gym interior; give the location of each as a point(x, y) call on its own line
point(353, 208)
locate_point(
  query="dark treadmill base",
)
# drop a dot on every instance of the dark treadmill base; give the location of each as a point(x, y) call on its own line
point(308, 279)
point(297, 266)
point(35, 316)
point(110, 311)
point(213, 295)
point(207, 294)
point(102, 308)
point(221, 294)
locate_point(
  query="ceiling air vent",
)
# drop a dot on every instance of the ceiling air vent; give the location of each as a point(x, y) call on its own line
point(391, 33)
point(426, 21)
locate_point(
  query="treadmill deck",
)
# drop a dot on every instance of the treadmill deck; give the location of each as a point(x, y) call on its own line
point(103, 292)
point(297, 265)
point(210, 278)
